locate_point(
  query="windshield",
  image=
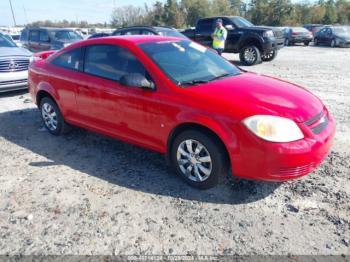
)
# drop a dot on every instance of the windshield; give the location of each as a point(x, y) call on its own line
point(6, 42)
point(168, 32)
point(241, 22)
point(67, 35)
point(188, 63)
point(341, 30)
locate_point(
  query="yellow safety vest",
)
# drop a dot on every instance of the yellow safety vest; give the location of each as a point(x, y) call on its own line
point(217, 41)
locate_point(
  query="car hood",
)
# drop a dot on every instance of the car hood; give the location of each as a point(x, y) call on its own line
point(250, 94)
point(344, 36)
point(14, 51)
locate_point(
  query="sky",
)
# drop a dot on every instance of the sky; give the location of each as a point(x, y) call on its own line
point(93, 11)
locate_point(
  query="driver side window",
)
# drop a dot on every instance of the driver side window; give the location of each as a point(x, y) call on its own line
point(111, 62)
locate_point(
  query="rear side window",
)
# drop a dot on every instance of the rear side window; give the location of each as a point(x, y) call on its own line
point(24, 35)
point(70, 60)
point(205, 26)
point(44, 36)
point(111, 62)
point(34, 36)
point(132, 32)
point(147, 32)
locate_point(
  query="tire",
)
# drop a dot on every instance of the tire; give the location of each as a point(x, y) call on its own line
point(316, 43)
point(333, 43)
point(52, 117)
point(210, 170)
point(250, 55)
point(306, 43)
point(269, 57)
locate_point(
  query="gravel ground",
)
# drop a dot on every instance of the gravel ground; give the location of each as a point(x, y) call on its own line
point(88, 194)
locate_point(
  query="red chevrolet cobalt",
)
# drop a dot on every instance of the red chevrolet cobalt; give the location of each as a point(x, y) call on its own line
point(177, 97)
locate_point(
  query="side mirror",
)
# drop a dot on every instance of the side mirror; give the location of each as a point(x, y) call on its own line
point(229, 27)
point(137, 80)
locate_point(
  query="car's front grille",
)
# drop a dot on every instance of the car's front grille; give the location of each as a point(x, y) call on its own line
point(13, 65)
point(278, 33)
point(12, 82)
point(318, 122)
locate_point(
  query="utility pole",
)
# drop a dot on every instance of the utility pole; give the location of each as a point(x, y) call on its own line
point(13, 15)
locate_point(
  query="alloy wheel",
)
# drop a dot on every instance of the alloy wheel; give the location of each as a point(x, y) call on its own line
point(194, 160)
point(49, 116)
point(250, 55)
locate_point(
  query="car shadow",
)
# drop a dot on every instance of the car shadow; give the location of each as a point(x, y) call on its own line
point(117, 162)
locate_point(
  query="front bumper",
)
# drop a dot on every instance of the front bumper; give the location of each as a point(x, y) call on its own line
point(269, 45)
point(262, 160)
point(13, 81)
point(300, 39)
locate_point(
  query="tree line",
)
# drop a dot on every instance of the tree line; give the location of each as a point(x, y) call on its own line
point(185, 13)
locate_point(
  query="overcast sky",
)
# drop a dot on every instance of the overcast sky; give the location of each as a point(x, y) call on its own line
point(90, 10)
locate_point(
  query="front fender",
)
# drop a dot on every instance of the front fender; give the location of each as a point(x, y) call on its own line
point(224, 128)
point(250, 37)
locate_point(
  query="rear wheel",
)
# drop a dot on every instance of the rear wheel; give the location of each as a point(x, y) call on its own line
point(269, 56)
point(198, 159)
point(250, 55)
point(316, 43)
point(306, 43)
point(52, 117)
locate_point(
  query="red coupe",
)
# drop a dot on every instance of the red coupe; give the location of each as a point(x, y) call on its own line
point(179, 98)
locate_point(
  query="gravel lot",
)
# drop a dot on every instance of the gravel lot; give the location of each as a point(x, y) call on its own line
point(88, 194)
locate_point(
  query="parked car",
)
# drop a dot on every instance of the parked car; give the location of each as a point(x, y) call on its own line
point(313, 28)
point(179, 98)
point(148, 30)
point(42, 39)
point(333, 36)
point(295, 35)
point(14, 63)
point(99, 35)
point(253, 43)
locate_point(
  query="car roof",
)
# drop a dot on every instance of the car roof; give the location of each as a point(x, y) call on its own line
point(49, 28)
point(129, 39)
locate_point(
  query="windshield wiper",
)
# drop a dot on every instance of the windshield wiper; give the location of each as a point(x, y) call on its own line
point(221, 76)
point(192, 82)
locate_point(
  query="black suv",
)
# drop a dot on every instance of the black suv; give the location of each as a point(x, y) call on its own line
point(148, 30)
point(253, 43)
point(42, 39)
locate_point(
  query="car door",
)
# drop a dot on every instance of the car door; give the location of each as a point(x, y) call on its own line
point(204, 30)
point(33, 42)
point(233, 35)
point(321, 35)
point(104, 104)
point(44, 41)
point(329, 36)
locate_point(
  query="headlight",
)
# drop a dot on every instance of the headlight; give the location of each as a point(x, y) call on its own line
point(34, 58)
point(273, 128)
point(268, 33)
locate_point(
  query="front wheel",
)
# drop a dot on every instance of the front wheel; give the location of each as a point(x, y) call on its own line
point(198, 159)
point(269, 56)
point(306, 43)
point(316, 43)
point(52, 117)
point(333, 44)
point(250, 55)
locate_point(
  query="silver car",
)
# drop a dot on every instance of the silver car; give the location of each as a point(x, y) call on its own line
point(14, 62)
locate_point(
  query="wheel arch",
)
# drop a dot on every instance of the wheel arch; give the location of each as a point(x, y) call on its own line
point(251, 40)
point(46, 90)
point(211, 131)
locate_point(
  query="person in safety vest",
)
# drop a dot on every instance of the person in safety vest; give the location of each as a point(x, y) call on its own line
point(219, 37)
